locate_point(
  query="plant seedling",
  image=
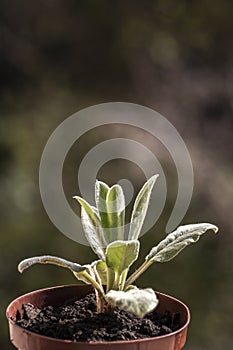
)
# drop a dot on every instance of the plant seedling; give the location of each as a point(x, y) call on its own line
point(104, 229)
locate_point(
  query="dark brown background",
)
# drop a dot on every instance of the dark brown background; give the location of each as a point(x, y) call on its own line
point(57, 57)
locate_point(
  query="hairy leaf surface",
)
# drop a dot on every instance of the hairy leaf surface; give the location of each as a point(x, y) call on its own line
point(101, 269)
point(92, 228)
point(101, 190)
point(110, 202)
point(115, 202)
point(48, 259)
point(140, 208)
point(136, 301)
point(120, 255)
point(176, 241)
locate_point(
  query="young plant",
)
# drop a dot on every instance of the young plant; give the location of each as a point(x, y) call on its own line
point(104, 229)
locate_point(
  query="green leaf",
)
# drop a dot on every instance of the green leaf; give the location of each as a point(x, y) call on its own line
point(176, 241)
point(120, 255)
point(92, 228)
point(83, 273)
point(101, 269)
point(82, 276)
point(111, 206)
point(136, 301)
point(94, 234)
point(115, 203)
point(48, 259)
point(140, 208)
point(101, 190)
point(88, 276)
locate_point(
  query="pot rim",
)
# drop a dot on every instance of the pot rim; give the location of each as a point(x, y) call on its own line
point(93, 342)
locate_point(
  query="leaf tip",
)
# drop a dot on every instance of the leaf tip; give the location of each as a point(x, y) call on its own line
point(210, 227)
point(20, 267)
point(214, 228)
point(154, 177)
point(78, 199)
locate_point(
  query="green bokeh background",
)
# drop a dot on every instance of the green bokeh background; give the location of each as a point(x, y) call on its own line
point(57, 57)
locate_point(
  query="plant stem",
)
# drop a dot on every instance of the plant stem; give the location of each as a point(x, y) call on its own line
point(99, 302)
point(138, 272)
point(93, 278)
point(110, 279)
point(97, 276)
point(95, 284)
point(123, 278)
point(116, 282)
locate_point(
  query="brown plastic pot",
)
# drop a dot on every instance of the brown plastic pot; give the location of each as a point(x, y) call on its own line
point(25, 340)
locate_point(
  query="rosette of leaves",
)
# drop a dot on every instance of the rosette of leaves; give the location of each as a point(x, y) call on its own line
point(104, 229)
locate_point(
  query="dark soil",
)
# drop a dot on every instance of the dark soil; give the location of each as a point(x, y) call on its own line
point(78, 321)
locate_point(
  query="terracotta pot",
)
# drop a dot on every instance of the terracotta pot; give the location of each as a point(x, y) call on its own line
point(25, 340)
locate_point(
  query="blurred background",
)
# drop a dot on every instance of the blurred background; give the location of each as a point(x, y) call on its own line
point(57, 57)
